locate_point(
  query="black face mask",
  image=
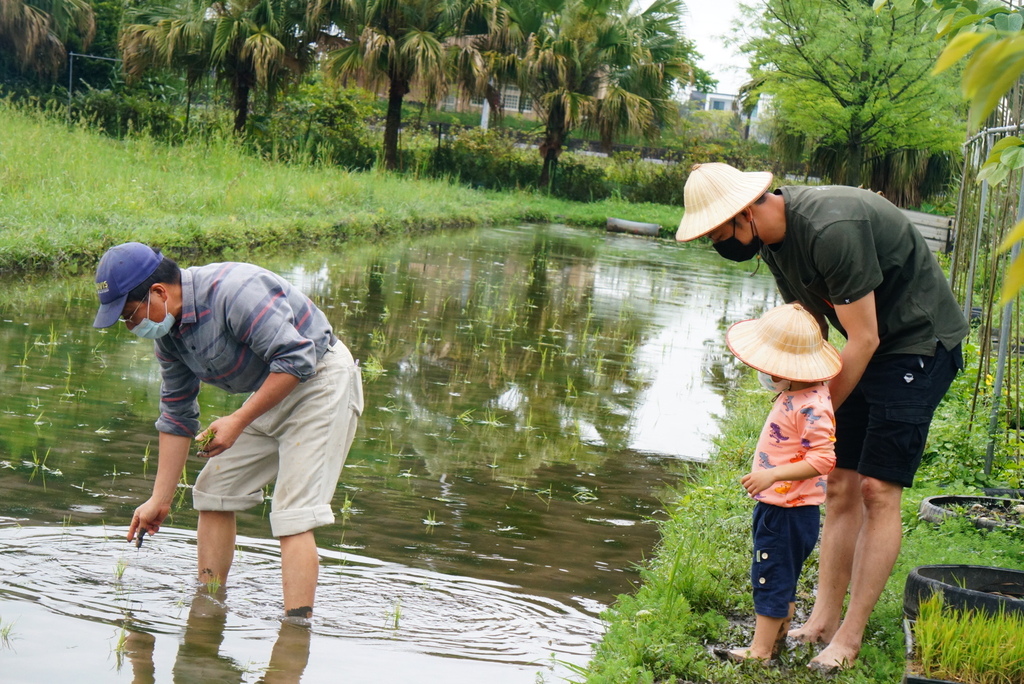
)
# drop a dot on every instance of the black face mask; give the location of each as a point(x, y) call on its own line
point(734, 250)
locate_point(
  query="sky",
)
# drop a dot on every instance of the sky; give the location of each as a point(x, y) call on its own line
point(707, 22)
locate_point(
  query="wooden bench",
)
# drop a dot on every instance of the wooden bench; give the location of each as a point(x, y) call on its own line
point(937, 231)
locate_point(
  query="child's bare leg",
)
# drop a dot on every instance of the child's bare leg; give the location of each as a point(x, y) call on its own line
point(767, 631)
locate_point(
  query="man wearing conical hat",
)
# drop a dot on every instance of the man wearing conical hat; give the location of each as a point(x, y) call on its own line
point(852, 258)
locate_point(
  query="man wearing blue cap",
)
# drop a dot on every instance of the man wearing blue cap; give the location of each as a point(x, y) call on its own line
point(244, 329)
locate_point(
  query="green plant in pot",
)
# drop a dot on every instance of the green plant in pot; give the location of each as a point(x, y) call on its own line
point(947, 644)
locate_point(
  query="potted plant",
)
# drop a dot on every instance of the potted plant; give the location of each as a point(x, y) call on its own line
point(947, 645)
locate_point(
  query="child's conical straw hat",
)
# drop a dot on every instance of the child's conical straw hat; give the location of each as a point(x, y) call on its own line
point(785, 342)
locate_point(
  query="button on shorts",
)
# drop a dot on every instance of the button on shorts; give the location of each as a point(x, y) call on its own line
point(302, 443)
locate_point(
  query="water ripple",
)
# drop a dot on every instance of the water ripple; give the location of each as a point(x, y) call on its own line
point(92, 574)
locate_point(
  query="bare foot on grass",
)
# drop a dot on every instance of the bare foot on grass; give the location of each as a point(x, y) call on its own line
point(809, 634)
point(833, 658)
point(741, 655)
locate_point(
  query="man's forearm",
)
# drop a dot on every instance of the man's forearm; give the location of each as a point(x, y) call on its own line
point(173, 452)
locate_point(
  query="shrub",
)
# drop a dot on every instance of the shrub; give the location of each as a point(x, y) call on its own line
point(648, 181)
point(316, 124)
point(119, 114)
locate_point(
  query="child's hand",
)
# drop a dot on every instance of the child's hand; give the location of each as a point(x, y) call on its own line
point(757, 481)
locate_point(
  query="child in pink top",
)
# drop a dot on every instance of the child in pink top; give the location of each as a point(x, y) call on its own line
point(794, 454)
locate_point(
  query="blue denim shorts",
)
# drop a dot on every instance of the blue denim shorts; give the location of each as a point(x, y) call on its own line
point(882, 427)
point(783, 539)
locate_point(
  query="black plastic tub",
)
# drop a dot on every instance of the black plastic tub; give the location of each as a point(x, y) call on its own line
point(965, 587)
point(937, 508)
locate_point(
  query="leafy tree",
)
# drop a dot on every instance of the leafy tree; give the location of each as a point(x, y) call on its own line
point(250, 44)
point(400, 44)
point(598, 64)
point(990, 35)
point(853, 83)
point(34, 33)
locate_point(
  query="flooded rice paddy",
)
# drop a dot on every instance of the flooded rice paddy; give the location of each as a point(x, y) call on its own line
point(530, 393)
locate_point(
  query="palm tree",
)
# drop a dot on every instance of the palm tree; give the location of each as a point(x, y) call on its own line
point(176, 37)
point(33, 32)
point(401, 44)
point(249, 43)
point(596, 64)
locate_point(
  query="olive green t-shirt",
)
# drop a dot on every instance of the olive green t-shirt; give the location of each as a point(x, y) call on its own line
point(841, 244)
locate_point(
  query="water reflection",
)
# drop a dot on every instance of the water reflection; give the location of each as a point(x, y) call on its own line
point(529, 392)
point(199, 659)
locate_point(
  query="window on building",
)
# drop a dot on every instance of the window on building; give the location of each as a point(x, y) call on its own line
point(510, 99)
point(718, 105)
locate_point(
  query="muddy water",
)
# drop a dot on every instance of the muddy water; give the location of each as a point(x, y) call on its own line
point(530, 392)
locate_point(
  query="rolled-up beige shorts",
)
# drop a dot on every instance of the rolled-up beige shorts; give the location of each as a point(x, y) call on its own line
point(302, 443)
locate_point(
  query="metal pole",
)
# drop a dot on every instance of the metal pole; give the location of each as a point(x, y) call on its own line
point(1004, 342)
point(998, 129)
point(969, 294)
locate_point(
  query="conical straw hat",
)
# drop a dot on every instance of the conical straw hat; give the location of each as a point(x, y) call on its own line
point(716, 192)
point(785, 342)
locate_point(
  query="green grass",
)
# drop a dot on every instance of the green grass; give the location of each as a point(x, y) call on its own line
point(695, 590)
point(67, 194)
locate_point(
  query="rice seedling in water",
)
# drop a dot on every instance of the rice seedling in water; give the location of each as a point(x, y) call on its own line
point(212, 585)
point(346, 509)
point(491, 420)
point(6, 630)
point(40, 462)
point(393, 616)
point(67, 382)
point(145, 459)
point(431, 520)
point(373, 368)
point(120, 647)
point(120, 568)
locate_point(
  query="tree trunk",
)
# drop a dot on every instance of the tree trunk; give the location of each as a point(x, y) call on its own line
point(554, 135)
point(240, 99)
point(854, 160)
point(188, 107)
point(494, 100)
point(550, 152)
point(397, 91)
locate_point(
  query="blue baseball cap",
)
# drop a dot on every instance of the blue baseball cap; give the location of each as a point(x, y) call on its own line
point(122, 269)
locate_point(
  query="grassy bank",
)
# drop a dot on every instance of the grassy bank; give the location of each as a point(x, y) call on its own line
point(67, 194)
point(696, 590)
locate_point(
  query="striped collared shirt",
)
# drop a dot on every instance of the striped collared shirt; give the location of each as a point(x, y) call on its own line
point(239, 323)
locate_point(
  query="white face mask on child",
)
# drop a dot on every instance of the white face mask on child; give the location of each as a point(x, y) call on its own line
point(782, 385)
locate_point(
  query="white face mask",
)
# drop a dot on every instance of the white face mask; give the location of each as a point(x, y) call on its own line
point(151, 331)
point(776, 386)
